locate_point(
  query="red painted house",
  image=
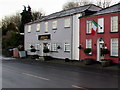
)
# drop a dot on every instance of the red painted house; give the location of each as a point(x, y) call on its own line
point(107, 35)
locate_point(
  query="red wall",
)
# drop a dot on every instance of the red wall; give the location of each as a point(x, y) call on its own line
point(106, 36)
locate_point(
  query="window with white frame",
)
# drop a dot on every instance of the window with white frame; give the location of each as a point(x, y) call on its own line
point(89, 26)
point(54, 47)
point(37, 46)
point(88, 43)
point(38, 27)
point(114, 47)
point(46, 26)
point(66, 47)
point(101, 25)
point(67, 22)
point(29, 28)
point(114, 24)
point(54, 25)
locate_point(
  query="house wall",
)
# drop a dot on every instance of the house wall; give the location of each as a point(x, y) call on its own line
point(60, 36)
point(107, 35)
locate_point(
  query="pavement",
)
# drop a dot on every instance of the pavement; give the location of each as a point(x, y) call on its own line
point(113, 67)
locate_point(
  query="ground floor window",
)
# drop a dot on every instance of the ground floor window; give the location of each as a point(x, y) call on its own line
point(66, 47)
point(114, 47)
point(54, 47)
point(88, 43)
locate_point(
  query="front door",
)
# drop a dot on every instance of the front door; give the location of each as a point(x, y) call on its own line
point(100, 46)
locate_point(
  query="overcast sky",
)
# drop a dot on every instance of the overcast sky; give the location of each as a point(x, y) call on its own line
point(8, 7)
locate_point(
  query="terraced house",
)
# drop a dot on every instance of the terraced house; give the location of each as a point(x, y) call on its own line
point(106, 37)
point(58, 31)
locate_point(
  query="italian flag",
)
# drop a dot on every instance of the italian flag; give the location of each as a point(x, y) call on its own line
point(94, 27)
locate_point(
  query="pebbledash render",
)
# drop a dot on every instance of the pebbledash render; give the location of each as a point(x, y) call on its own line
point(106, 37)
point(58, 31)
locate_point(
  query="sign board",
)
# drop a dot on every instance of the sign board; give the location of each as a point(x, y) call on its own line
point(44, 37)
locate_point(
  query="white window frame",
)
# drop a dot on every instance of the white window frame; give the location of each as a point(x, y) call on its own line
point(67, 23)
point(101, 23)
point(37, 27)
point(54, 47)
point(29, 28)
point(88, 29)
point(65, 45)
point(46, 27)
point(115, 50)
point(89, 43)
point(54, 25)
point(113, 23)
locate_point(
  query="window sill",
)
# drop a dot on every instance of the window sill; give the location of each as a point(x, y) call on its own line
point(37, 31)
point(114, 56)
point(67, 51)
point(88, 33)
point(66, 27)
point(114, 32)
point(54, 51)
point(100, 32)
point(54, 29)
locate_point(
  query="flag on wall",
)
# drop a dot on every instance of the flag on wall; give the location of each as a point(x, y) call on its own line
point(94, 27)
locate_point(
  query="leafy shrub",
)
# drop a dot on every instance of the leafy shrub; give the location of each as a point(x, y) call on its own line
point(87, 50)
point(33, 50)
point(46, 50)
point(104, 51)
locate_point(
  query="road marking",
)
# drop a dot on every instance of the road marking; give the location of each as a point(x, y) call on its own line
point(35, 76)
point(79, 87)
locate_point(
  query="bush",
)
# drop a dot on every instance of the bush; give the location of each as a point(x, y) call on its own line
point(33, 50)
point(87, 50)
point(46, 50)
point(67, 60)
point(104, 51)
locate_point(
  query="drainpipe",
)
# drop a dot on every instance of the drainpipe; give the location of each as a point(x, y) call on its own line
point(119, 38)
point(72, 37)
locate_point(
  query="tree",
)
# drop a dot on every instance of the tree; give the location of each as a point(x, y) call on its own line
point(37, 15)
point(10, 23)
point(77, 3)
point(70, 5)
point(73, 4)
point(104, 4)
point(26, 17)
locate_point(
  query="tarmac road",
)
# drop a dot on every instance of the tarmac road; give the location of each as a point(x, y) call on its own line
point(17, 74)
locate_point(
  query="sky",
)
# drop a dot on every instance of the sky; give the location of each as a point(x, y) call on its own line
point(10, 7)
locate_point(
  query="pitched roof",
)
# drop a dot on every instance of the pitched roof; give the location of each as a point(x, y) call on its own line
point(111, 9)
point(90, 7)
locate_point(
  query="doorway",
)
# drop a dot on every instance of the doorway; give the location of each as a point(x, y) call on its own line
point(100, 46)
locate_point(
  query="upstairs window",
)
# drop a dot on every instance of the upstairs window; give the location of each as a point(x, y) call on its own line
point(54, 25)
point(29, 28)
point(89, 43)
point(67, 23)
point(89, 26)
point(38, 27)
point(46, 27)
point(101, 25)
point(114, 24)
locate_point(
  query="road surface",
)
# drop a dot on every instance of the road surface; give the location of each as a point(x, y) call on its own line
point(17, 74)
